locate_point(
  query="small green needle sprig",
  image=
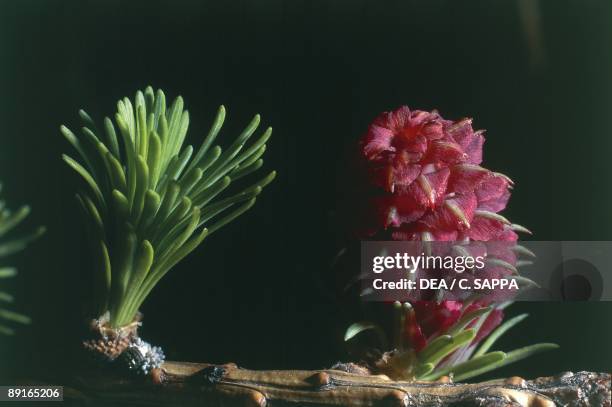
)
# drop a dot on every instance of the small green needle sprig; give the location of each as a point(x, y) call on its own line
point(436, 359)
point(150, 200)
point(8, 221)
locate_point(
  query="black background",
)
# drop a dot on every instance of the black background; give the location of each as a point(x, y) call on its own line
point(318, 72)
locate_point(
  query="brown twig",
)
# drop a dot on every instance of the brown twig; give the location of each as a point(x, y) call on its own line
point(197, 384)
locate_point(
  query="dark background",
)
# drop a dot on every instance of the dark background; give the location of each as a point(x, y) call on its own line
point(319, 72)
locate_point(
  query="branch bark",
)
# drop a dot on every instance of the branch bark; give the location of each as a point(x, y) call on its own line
point(197, 384)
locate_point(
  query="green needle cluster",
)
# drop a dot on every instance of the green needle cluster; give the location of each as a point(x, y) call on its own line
point(8, 221)
point(452, 352)
point(150, 200)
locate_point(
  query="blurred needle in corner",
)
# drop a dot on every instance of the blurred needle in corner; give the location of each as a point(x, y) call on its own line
point(529, 13)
